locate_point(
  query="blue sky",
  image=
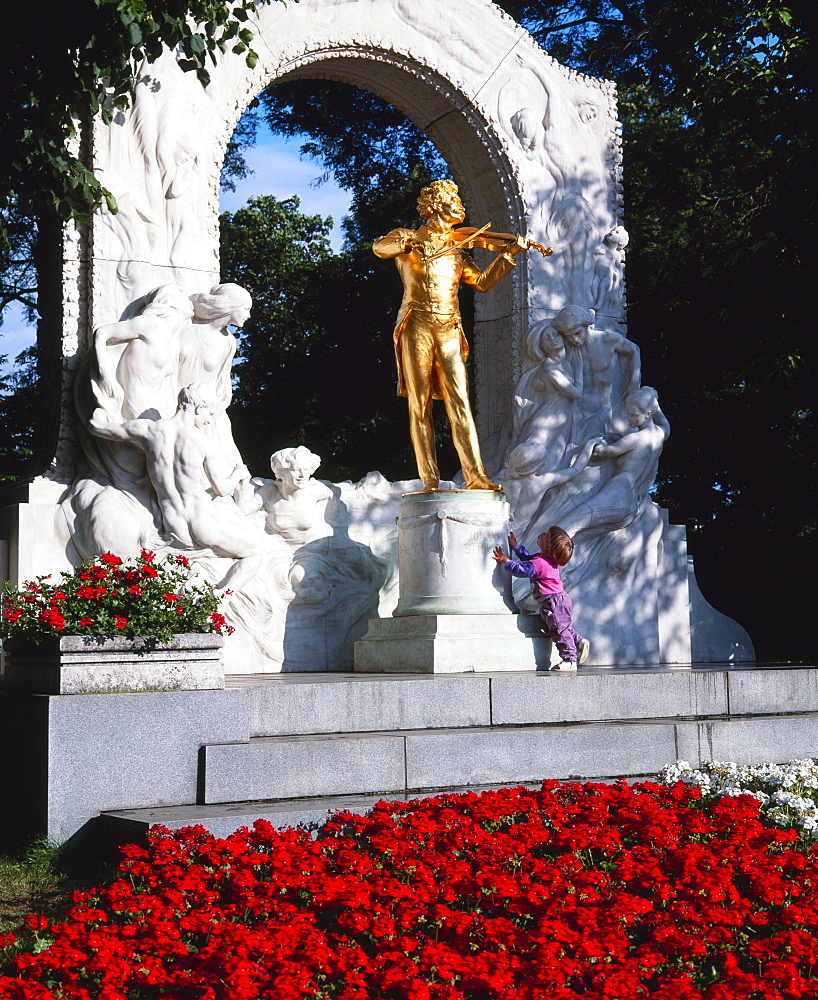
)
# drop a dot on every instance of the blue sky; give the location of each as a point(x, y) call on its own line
point(277, 169)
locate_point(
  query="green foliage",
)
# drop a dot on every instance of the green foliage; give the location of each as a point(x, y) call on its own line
point(109, 597)
point(85, 63)
point(41, 879)
point(18, 273)
point(30, 882)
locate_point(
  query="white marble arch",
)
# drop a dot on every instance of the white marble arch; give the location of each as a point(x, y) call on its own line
point(501, 111)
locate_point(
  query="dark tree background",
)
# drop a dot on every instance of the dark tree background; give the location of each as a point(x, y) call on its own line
point(718, 123)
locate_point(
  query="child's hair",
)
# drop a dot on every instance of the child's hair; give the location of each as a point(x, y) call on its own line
point(558, 545)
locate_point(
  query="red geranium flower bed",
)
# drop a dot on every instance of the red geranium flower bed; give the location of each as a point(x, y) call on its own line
point(598, 891)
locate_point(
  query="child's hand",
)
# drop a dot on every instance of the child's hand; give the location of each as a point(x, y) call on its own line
point(512, 540)
point(499, 556)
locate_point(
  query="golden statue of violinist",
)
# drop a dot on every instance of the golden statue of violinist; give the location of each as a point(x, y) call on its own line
point(430, 347)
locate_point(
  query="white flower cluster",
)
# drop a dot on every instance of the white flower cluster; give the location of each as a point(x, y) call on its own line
point(788, 793)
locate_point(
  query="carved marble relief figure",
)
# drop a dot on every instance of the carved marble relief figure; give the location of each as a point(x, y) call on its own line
point(607, 287)
point(208, 349)
point(634, 458)
point(171, 478)
point(562, 129)
point(569, 462)
point(181, 457)
point(137, 359)
point(326, 583)
point(549, 392)
point(135, 370)
point(612, 369)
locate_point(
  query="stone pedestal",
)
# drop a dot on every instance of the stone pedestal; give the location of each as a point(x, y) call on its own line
point(455, 612)
point(450, 644)
point(445, 541)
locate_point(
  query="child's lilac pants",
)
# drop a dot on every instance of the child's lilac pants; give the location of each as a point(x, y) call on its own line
point(555, 611)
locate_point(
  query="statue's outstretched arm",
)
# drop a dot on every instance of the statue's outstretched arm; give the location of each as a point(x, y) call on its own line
point(393, 244)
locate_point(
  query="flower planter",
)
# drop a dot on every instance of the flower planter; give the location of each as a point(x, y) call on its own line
point(80, 664)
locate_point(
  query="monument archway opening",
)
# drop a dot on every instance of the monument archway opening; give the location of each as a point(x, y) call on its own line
point(473, 158)
point(527, 141)
point(337, 334)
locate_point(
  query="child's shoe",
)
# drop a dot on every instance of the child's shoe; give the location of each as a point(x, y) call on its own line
point(565, 665)
point(584, 649)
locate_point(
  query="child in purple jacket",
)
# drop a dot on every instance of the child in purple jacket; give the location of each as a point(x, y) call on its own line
point(543, 570)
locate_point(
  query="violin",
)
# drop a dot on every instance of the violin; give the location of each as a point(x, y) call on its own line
point(470, 236)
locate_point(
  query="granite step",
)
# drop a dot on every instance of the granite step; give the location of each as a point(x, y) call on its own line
point(406, 762)
point(221, 819)
point(304, 704)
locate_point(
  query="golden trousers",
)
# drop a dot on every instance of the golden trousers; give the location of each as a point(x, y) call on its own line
point(431, 342)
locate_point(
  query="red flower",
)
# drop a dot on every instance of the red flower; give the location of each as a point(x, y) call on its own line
point(182, 560)
point(110, 559)
point(36, 922)
point(121, 622)
point(51, 616)
point(574, 890)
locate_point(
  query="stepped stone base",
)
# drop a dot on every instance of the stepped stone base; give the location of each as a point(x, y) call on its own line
point(290, 746)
